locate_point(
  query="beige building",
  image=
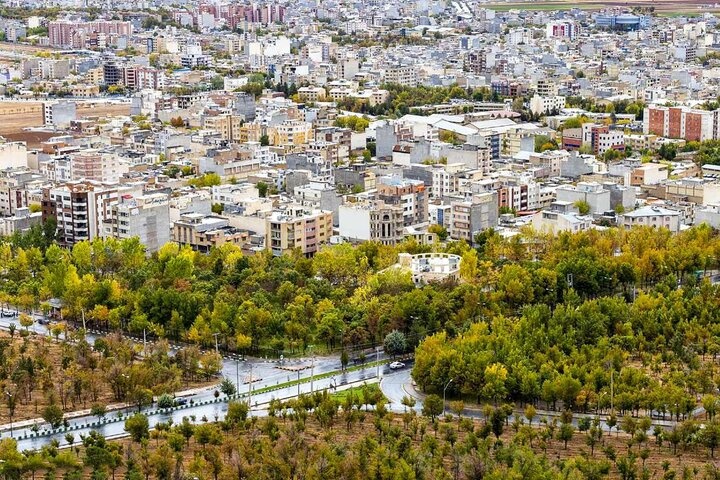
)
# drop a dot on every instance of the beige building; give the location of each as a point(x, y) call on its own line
point(649, 174)
point(296, 227)
point(311, 94)
point(291, 133)
point(695, 190)
point(228, 126)
point(203, 232)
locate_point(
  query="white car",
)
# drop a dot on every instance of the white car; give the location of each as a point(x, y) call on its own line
point(396, 365)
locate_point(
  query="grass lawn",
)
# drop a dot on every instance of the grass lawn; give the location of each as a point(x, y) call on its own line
point(372, 389)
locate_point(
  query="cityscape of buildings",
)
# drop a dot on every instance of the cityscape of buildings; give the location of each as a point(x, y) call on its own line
point(286, 127)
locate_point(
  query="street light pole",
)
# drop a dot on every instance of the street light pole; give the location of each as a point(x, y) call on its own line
point(444, 390)
point(250, 380)
point(237, 375)
point(377, 361)
point(9, 411)
point(312, 375)
point(216, 341)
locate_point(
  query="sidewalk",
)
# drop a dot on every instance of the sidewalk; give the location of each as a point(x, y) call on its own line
point(86, 412)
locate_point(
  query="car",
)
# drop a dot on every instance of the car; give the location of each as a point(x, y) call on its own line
point(396, 365)
point(9, 313)
point(179, 402)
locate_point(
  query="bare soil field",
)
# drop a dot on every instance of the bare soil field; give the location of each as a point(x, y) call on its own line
point(15, 116)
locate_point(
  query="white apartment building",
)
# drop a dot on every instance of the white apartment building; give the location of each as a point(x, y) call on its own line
point(591, 192)
point(652, 216)
point(144, 216)
point(542, 105)
point(373, 221)
point(13, 154)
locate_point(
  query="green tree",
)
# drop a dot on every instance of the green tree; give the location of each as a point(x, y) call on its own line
point(582, 206)
point(433, 406)
point(227, 387)
point(53, 414)
point(565, 433)
point(395, 343)
point(138, 427)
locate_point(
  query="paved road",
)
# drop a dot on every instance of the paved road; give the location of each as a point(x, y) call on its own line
point(264, 372)
point(214, 410)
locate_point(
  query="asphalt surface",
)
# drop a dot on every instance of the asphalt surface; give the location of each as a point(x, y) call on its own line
point(204, 408)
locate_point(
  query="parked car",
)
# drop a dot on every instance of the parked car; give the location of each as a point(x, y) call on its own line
point(396, 365)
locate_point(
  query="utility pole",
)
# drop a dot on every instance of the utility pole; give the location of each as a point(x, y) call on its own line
point(612, 404)
point(144, 340)
point(312, 375)
point(444, 390)
point(377, 361)
point(11, 399)
point(237, 374)
point(250, 387)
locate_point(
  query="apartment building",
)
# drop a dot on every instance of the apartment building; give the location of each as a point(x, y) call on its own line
point(591, 192)
point(411, 195)
point(13, 154)
point(681, 122)
point(59, 113)
point(320, 196)
point(471, 216)
point(291, 133)
point(652, 216)
point(96, 33)
point(600, 138)
point(540, 105)
point(649, 174)
point(21, 221)
point(700, 191)
point(203, 232)
point(144, 216)
point(227, 125)
point(402, 75)
point(373, 220)
point(14, 189)
point(297, 228)
point(80, 209)
point(97, 165)
point(561, 217)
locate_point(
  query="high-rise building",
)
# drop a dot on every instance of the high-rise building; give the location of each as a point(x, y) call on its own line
point(79, 208)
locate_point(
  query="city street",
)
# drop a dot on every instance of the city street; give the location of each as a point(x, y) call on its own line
point(204, 406)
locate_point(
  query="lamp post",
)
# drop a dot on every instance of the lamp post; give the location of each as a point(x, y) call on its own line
point(445, 390)
point(312, 375)
point(10, 399)
point(216, 342)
